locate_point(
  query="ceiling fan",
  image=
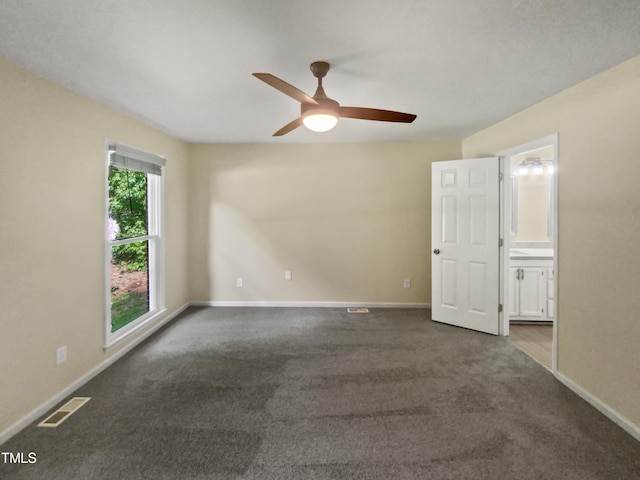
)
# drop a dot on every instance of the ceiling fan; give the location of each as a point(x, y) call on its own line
point(320, 113)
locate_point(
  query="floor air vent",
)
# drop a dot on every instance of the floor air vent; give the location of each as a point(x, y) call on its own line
point(357, 310)
point(64, 412)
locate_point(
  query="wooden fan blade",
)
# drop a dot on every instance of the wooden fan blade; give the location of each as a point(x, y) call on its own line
point(376, 114)
point(285, 88)
point(289, 127)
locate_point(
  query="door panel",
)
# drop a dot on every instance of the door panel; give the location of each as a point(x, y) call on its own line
point(449, 277)
point(477, 293)
point(464, 242)
point(449, 219)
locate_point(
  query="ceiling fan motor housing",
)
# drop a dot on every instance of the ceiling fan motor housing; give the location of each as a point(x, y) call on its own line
point(325, 106)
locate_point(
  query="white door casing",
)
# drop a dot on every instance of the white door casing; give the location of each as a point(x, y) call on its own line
point(549, 140)
point(465, 222)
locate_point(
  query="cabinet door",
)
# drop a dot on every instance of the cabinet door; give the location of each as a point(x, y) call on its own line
point(532, 294)
point(550, 293)
point(514, 292)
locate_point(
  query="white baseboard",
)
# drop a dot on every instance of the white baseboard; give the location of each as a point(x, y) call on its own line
point(223, 303)
point(626, 424)
point(53, 401)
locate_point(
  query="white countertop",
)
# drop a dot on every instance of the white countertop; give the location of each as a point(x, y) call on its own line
point(531, 253)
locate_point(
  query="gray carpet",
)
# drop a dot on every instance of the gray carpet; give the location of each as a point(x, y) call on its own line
point(275, 393)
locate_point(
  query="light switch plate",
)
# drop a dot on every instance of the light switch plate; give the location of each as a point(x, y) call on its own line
point(61, 355)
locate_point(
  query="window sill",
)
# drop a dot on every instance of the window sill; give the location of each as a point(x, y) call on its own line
point(126, 332)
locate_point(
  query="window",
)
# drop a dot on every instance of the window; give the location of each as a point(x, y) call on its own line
point(134, 256)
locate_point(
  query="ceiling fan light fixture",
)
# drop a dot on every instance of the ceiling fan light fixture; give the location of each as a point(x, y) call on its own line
point(321, 117)
point(320, 122)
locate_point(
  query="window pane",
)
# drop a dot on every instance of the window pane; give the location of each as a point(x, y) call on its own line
point(129, 283)
point(127, 204)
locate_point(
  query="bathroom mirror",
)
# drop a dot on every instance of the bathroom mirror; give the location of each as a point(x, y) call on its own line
point(532, 186)
point(514, 205)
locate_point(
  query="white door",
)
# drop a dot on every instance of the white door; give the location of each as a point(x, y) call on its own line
point(465, 222)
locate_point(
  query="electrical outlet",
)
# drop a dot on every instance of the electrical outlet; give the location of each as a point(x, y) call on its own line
point(287, 275)
point(61, 355)
point(407, 283)
point(239, 282)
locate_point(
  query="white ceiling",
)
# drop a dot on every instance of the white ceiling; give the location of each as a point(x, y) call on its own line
point(184, 66)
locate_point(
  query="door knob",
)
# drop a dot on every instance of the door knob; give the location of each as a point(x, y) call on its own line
point(436, 251)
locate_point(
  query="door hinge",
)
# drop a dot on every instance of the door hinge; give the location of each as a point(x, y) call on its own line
point(500, 242)
point(499, 308)
point(500, 176)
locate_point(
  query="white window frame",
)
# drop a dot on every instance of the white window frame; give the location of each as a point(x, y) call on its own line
point(155, 237)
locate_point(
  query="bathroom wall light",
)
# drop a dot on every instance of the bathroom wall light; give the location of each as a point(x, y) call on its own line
point(535, 166)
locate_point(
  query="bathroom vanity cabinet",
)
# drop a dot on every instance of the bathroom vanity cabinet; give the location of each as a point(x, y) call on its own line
point(531, 289)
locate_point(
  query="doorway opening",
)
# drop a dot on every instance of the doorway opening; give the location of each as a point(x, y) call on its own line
point(530, 256)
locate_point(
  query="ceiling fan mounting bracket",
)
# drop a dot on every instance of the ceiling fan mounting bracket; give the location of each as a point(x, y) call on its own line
point(319, 69)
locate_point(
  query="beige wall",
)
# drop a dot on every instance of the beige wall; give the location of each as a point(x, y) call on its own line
point(52, 234)
point(599, 223)
point(351, 221)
